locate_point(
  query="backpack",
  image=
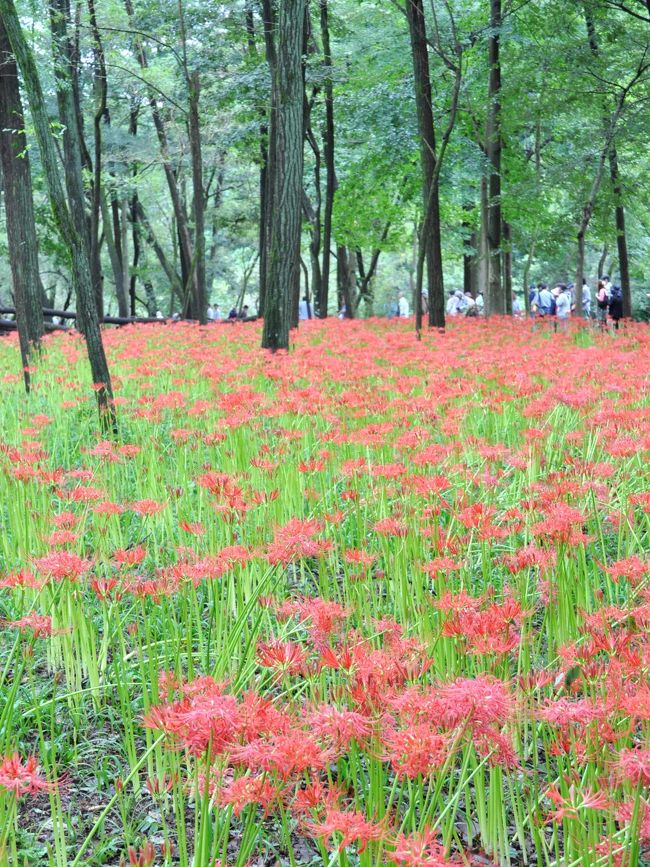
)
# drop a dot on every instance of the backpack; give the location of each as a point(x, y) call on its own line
point(472, 311)
point(617, 294)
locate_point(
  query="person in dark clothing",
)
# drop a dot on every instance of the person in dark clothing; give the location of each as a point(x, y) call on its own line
point(616, 305)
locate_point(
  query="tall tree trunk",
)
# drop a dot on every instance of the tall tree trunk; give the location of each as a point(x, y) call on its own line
point(346, 280)
point(19, 208)
point(285, 223)
point(621, 234)
point(263, 157)
point(67, 226)
point(100, 85)
point(64, 73)
point(496, 298)
point(469, 251)
point(200, 298)
point(430, 239)
point(330, 166)
point(483, 255)
point(507, 265)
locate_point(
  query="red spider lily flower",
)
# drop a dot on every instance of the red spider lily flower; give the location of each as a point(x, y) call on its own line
point(286, 754)
point(65, 520)
point(351, 825)
point(634, 765)
point(421, 849)
point(147, 507)
point(286, 656)
point(391, 527)
point(194, 528)
point(416, 750)
point(358, 557)
point(130, 556)
point(62, 564)
point(38, 625)
point(62, 537)
point(567, 808)
point(21, 779)
point(339, 727)
point(633, 568)
point(251, 790)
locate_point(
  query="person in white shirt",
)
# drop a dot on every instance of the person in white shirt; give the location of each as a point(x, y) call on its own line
point(403, 305)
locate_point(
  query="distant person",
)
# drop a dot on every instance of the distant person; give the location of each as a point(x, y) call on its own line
point(546, 301)
point(343, 312)
point(517, 309)
point(425, 300)
point(480, 303)
point(159, 314)
point(210, 313)
point(534, 302)
point(403, 306)
point(451, 306)
point(457, 307)
point(602, 303)
point(470, 304)
point(243, 313)
point(233, 313)
point(616, 305)
point(562, 295)
point(303, 309)
point(586, 300)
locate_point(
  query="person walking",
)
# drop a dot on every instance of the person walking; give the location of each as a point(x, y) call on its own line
point(616, 305)
point(562, 295)
point(586, 300)
point(602, 303)
point(403, 305)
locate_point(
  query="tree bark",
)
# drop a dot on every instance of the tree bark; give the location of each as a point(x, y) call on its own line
point(19, 209)
point(330, 165)
point(507, 265)
point(200, 293)
point(495, 300)
point(67, 226)
point(430, 240)
point(469, 251)
point(621, 234)
point(346, 280)
point(285, 223)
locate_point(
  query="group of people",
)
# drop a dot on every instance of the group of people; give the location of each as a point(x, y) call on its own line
point(562, 301)
point(215, 314)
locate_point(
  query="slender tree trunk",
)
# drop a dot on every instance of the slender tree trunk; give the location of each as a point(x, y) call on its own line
point(67, 226)
point(602, 261)
point(346, 280)
point(285, 224)
point(201, 300)
point(430, 240)
point(469, 251)
point(330, 166)
point(263, 157)
point(495, 299)
point(19, 208)
point(507, 265)
point(621, 234)
point(483, 254)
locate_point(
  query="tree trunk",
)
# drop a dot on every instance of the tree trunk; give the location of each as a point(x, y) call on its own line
point(330, 169)
point(430, 240)
point(469, 252)
point(482, 269)
point(346, 279)
point(495, 296)
point(507, 266)
point(19, 209)
point(200, 296)
point(285, 223)
point(67, 226)
point(621, 235)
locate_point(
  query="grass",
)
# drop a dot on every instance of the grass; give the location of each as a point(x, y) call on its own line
point(377, 601)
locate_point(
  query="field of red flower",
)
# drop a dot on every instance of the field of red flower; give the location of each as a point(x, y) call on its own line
point(379, 601)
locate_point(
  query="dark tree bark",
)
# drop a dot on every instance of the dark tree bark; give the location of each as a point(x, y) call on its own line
point(346, 280)
point(469, 251)
point(496, 297)
point(330, 166)
point(67, 226)
point(19, 208)
point(430, 241)
point(263, 158)
point(266, 197)
point(198, 199)
point(507, 265)
point(621, 233)
point(285, 222)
